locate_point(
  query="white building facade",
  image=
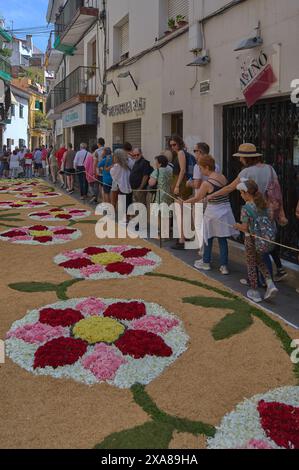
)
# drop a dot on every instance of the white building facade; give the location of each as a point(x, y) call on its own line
point(15, 132)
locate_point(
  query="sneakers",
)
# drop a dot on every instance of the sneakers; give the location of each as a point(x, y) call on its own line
point(280, 275)
point(244, 282)
point(271, 290)
point(254, 295)
point(202, 266)
point(224, 270)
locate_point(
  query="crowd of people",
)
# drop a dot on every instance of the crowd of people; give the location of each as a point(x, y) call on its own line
point(22, 162)
point(177, 175)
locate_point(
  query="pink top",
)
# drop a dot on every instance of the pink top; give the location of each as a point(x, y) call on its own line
point(89, 167)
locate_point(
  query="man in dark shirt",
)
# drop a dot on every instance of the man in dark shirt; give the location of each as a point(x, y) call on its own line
point(140, 174)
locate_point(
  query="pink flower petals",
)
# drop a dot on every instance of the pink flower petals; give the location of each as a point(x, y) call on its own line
point(140, 262)
point(155, 324)
point(103, 362)
point(91, 306)
point(38, 333)
point(90, 270)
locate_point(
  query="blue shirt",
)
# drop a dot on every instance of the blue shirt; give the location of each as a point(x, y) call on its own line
point(107, 161)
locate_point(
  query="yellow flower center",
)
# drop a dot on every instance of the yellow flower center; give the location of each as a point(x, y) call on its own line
point(107, 258)
point(98, 330)
point(57, 213)
point(42, 233)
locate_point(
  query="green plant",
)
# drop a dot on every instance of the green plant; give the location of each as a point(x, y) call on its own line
point(5, 53)
point(40, 120)
point(180, 19)
point(171, 23)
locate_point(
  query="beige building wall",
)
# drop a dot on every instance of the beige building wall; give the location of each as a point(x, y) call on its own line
point(169, 86)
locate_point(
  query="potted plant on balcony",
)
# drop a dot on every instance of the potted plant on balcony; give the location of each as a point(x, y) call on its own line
point(172, 24)
point(181, 21)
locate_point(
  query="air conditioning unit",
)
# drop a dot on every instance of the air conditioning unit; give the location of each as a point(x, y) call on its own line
point(195, 37)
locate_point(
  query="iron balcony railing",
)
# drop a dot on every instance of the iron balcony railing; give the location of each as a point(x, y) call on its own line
point(68, 13)
point(5, 68)
point(82, 81)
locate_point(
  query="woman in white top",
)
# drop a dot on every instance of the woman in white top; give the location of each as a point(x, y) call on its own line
point(14, 164)
point(218, 219)
point(120, 173)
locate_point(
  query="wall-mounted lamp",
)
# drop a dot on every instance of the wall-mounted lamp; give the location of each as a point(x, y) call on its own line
point(201, 61)
point(126, 75)
point(111, 82)
point(251, 42)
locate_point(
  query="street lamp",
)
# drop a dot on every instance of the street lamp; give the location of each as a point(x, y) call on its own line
point(126, 75)
point(251, 42)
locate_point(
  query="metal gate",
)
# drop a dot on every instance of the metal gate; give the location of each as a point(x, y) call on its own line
point(273, 126)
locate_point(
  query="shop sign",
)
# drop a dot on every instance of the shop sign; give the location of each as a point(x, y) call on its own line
point(138, 104)
point(256, 74)
point(74, 117)
point(85, 113)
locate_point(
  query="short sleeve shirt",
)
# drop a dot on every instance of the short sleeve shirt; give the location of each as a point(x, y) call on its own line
point(261, 174)
point(140, 169)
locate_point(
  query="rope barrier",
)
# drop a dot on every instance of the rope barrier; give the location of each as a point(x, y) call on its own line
point(180, 201)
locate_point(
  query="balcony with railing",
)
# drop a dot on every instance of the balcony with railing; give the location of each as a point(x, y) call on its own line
point(78, 87)
point(5, 70)
point(75, 18)
point(53, 56)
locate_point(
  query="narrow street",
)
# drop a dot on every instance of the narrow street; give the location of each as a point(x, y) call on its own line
point(76, 353)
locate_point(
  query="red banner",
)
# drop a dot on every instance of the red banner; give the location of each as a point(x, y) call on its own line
point(259, 85)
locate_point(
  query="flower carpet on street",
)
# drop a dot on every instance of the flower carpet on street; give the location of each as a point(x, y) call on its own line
point(60, 213)
point(23, 204)
point(267, 421)
point(107, 261)
point(35, 195)
point(93, 340)
point(40, 235)
point(117, 344)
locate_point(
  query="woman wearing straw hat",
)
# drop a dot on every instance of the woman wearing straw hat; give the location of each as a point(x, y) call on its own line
point(263, 175)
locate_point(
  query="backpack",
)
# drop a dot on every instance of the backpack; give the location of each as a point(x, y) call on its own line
point(190, 164)
point(266, 229)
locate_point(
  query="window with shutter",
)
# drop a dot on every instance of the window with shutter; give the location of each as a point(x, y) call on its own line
point(124, 38)
point(178, 7)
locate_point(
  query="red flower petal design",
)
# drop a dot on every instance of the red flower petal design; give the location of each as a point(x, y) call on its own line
point(136, 253)
point(41, 214)
point(43, 239)
point(121, 268)
point(77, 211)
point(59, 352)
point(14, 233)
point(126, 310)
point(64, 216)
point(37, 203)
point(65, 231)
point(55, 210)
point(59, 317)
point(38, 228)
point(281, 423)
point(76, 263)
point(139, 344)
point(93, 250)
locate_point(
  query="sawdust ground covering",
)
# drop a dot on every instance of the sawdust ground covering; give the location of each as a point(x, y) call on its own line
point(205, 383)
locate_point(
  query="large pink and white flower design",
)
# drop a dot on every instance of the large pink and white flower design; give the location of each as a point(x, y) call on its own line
point(266, 421)
point(108, 261)
point(40, 235)
point(94, 340)
point(23, 204)
point(60, 213)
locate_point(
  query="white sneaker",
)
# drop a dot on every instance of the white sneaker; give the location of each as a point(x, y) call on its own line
point(254, 295)
point(202, 266)
point(224, 270)
point(271, 290)
point(244, 282)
